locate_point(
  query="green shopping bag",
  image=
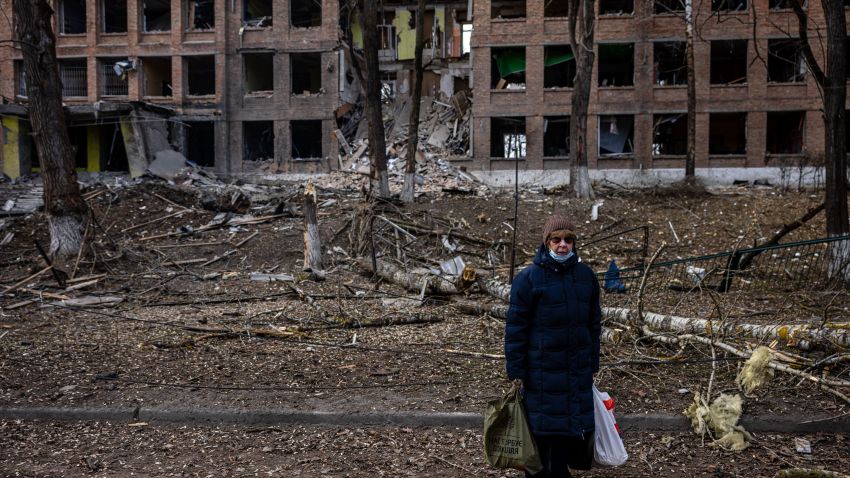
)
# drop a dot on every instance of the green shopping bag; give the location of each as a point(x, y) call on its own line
point(507, 439)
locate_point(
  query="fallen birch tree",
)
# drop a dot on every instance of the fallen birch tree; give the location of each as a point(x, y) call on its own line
point(417, 282)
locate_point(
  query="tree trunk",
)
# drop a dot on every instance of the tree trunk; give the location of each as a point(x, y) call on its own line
point(690, 159)
point(407, 191)
point(582, 18)
point(312, 241)
point(833, 87)
point(379, 181)
point(63, 203)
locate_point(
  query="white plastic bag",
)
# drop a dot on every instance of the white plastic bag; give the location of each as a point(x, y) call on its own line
point(608, 449)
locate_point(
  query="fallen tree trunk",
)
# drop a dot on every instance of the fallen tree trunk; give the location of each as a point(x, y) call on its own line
point(432, 284)
point(802, 336)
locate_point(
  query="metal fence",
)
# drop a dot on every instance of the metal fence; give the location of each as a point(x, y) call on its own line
point(110, 83)
point(74, 76)
point(790, 266)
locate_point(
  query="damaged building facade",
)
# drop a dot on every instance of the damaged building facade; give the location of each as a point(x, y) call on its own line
point(238, 86)
point(263, 86)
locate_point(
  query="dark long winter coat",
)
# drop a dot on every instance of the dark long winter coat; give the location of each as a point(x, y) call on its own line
point(552, 343)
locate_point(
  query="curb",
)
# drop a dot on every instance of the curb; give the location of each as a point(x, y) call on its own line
point(648, 422)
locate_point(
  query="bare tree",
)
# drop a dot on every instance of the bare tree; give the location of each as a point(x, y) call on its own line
point(582, 21)
point(690, 65)
point(63, 203)
point(832, 84)
point(379, 180)
point(413, 134)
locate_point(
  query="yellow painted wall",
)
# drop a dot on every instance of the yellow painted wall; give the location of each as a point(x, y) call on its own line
point(11, 147)
point(406, 35)
point(93, 146)
point(356, 31)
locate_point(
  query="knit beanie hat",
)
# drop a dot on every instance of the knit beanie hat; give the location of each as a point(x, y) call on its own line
point(557, 222)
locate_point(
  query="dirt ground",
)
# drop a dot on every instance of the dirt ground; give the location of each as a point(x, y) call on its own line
point(184, 335)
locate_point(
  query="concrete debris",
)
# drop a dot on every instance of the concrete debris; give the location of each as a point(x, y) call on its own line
point(168, 165)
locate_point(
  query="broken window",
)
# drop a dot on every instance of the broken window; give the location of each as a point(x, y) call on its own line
point(200, 143)
point(555, 8)
point(466, 38)
point(670, 63)
point(113, 77)
point(507, 68)
point(257, 13)
point(559, 67)
point(507, 9)
point(785, 131)
point(156, 15)
point(668, 6)
point(20, 79)
point(616, 64)
point(784, 4)
point(727, 133)
point(785, 62)
point(258, 72)
point(200, 75)
point(616, 135)
point(72, 16)
point(556, 136)
point(616, 7)
point(507, 137)
point(306, 73)
point(200, 14)
point(113, 16)
point(305, 13)
point(670, 134)
point(728, 5)
point(306, 139)
point(156, 76)
point(113, 153)
point(257, 140)
point(728, 62)
point(74, 77)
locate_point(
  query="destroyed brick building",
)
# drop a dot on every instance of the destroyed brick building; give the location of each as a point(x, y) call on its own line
point(261, 86)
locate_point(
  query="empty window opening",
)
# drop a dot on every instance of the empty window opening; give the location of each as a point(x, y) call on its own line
point(306, 13)
point(507, 9)
point(465, 38)
point(668, 6)
point(257, 13)
point(200, 143)
point(785, 62)
point(728, 5)
point(727, 133)
point(72, 16)
point(785, 131)
point(670, 134)
point(507, 137)
point(786, 4)
point(616, 135)
point(20, 79)
point(156, 16)
point(559, 67)
point(201, 14)
point(616, 7)
point(156, 76)
point(555, 9)
point(556, 136)
point(670, 63)
point(258, 72)
point(80, 144)
point(257, 140)
point(200, 75)
point(507, 69)
point(616, 64)
point(306, 73)
point(306, 139)
point(74, 76)
point(113, 154)
point(113, 16)
point(728, 62)
point(113, 77)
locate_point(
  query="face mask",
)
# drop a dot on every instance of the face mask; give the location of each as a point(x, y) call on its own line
point(560, 259)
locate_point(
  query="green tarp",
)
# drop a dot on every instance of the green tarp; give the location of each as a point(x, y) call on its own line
point(558, 57)
point(513, 61)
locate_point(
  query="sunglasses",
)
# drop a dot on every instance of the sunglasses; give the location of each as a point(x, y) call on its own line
point(558, 240)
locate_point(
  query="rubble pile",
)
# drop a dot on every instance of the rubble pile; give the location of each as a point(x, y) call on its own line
point(443, 136)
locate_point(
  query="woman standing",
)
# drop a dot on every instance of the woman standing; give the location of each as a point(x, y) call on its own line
point(552, 349)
